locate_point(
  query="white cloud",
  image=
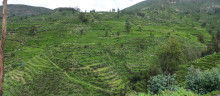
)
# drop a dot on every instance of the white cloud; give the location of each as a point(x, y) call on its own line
point(99, 5)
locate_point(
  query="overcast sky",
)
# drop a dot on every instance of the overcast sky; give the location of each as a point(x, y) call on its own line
point(98, 5)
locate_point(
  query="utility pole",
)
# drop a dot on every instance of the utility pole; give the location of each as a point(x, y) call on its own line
point(4, 22)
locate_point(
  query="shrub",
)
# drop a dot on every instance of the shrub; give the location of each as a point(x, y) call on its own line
point(33, 31)
point(203, 82)
point(161, 82)
point(83, 18)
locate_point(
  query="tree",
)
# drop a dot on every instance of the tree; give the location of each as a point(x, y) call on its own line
point(119, 15)
point(92, 11)
point(140, 14)
point(113, 10)
point(218, 35)
point(128, 26)
point(201, 38)
point(4, 23)
point(213, 47)
point(170, 56)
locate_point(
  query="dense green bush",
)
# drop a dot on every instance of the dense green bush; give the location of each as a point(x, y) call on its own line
point(203, 82)
point(83, 18)
point(161, 82)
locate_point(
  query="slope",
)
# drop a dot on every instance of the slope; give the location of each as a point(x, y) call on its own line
point(98, 57)
point(24, 10)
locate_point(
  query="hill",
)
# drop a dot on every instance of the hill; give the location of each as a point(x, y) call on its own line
point(206, 6)
point(24, 10)
point(65, 52)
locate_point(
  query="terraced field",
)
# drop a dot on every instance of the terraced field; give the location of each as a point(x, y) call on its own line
point(208, 62)
point(69, 57)
point(41, 65)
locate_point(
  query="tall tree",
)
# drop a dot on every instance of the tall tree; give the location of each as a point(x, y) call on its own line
point(4, 22)
point(170, 56)
point(128, 26)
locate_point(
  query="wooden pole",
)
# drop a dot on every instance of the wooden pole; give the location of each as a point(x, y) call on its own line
point(4, 22)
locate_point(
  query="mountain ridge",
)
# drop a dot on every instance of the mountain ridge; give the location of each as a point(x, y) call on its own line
point(24, 10)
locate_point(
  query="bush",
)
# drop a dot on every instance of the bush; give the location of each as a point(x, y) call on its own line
point(161, 82)
point(83, 18)
point(33, 31)
point(203, 82)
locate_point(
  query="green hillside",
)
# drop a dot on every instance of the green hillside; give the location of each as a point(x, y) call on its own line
point(24, 10)
point(67, 53)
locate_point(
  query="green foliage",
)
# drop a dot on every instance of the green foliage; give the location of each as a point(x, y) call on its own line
point(73, 10)
point(154, 70)
point(141, 14)
point(208, 62)
point(203, 82)
point(87, 63)
point(24, 10)
point(83, 18)
point(128, 26)
point(214, 46)
point(33, 31)
point(161, 82)
point(213, 93)
point(179, 92)
point(203, 24)
point(151, 35)
point(201, 38)
point(170, 56)
point(49, 83)
point(218, 35)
